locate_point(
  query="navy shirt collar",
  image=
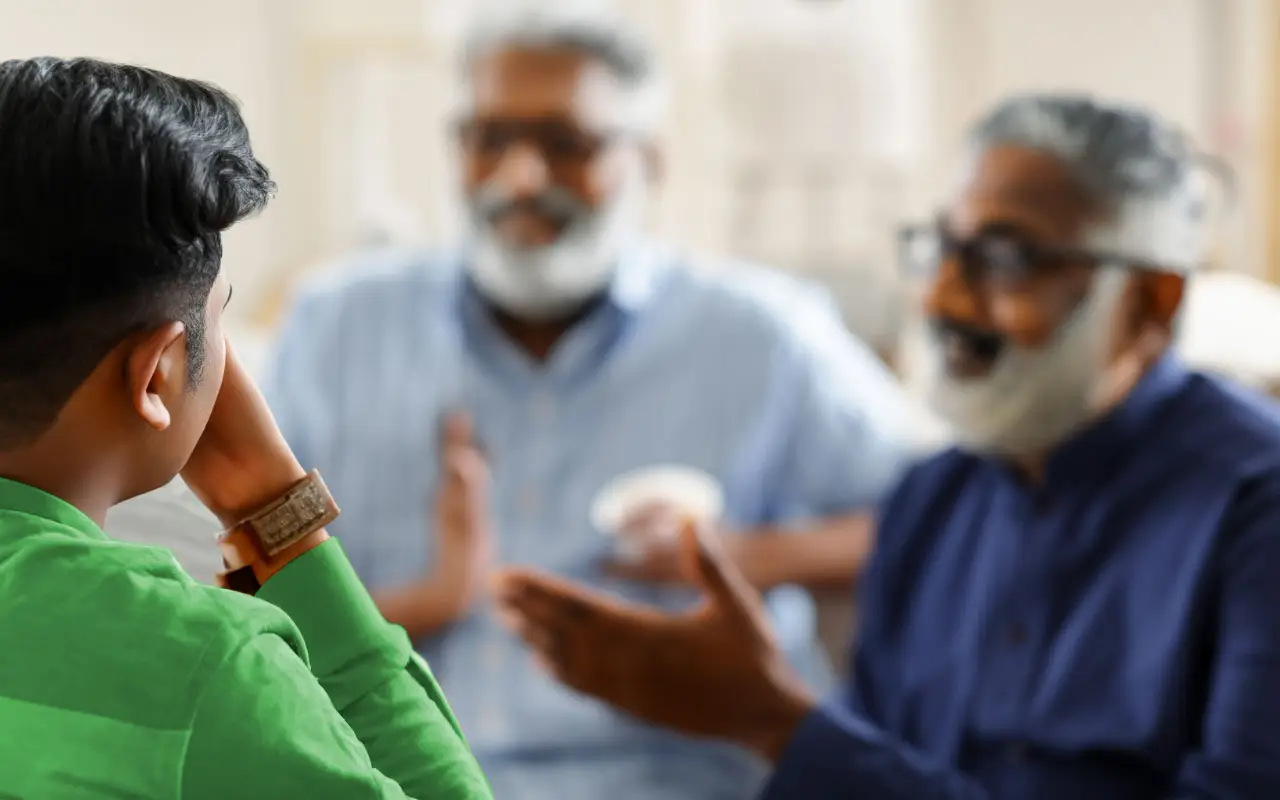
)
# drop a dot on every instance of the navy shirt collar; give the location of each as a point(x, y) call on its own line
point(1121, 431)
point(1110, 439)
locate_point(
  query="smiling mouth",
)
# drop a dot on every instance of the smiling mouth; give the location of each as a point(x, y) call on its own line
point(967, 351)
point(525, 228)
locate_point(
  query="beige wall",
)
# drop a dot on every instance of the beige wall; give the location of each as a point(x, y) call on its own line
point(235, 46)
point(346, 100)
point(1203, 63)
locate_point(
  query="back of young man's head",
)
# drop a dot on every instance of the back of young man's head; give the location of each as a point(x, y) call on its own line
point(116, 183)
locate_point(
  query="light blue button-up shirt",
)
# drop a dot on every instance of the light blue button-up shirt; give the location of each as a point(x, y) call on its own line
point(744, 373)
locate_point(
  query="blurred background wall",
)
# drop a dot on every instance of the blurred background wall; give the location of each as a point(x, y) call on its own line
point(800, 133)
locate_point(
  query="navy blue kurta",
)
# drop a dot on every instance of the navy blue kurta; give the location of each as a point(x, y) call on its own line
point(1113, 632)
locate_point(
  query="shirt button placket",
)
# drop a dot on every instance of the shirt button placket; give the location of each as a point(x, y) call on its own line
point(493, 651)
point(542, 413)
point(543, 409)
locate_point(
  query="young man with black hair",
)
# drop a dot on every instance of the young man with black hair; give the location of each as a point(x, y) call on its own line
point(119, 675)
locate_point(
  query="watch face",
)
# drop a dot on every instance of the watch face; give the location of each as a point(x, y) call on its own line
point(305, 509)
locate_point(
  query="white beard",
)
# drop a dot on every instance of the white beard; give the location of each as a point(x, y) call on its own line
point(1032, 399)
point(547, 282)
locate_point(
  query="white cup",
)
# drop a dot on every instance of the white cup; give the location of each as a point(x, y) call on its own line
point(687, 492)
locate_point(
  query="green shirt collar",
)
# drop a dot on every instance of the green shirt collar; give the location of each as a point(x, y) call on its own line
point(34, 502)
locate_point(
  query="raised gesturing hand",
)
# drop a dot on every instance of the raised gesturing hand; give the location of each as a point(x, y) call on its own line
point(460, 519)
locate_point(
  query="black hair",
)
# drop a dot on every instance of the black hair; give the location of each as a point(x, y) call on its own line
point(116, 183)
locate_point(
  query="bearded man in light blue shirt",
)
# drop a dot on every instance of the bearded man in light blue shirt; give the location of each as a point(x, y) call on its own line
point(468, 406)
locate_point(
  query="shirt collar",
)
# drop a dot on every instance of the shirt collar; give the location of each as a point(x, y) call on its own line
point(33, 502)
point(635, 283)
point(1118, 432)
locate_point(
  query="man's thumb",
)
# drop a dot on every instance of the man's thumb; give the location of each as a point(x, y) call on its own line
point(717, 575)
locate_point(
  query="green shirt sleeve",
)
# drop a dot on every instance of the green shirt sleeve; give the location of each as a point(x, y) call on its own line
point(366, 719)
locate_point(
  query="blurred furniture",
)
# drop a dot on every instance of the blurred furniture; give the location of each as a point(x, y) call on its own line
point(1271, 161)
point(1231, 327)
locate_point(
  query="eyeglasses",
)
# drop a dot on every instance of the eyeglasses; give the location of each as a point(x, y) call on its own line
point(564, 148)
point(995, 259)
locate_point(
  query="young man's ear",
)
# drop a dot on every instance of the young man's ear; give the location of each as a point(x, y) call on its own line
point(156, 372)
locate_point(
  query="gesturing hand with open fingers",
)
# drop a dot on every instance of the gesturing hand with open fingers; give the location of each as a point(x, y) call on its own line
point(713, 671)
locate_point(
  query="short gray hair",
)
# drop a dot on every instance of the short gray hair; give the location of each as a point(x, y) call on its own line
point(1134, 164)
point(606, 37)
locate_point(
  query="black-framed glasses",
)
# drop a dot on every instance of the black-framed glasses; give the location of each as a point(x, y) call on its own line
point(563, 146)
point(996, 259)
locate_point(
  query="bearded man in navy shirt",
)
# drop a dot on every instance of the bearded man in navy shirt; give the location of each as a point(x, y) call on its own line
point(1079, 600)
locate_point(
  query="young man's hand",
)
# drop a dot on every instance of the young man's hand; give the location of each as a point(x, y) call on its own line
point(242, 461)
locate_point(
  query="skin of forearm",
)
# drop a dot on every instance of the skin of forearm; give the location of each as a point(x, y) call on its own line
point(421, 608)
point(829, 554)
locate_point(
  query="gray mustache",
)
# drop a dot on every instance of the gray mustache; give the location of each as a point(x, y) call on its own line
point(491, 203)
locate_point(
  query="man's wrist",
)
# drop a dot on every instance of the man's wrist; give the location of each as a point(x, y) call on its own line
point(774, 729)
point(439, 600)
point(242, 558)
point(252, 490)
point(284, 525)
point(451, 593)
point(264, 569)
point(758, 557)
point(424, 606)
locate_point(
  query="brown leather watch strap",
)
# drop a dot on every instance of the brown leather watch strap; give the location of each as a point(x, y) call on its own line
point(284, 529)
point(305, 508)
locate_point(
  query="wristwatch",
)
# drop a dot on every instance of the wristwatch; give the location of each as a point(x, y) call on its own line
point(264, 542)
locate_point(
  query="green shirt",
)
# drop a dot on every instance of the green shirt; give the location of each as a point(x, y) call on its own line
point(120, 676)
